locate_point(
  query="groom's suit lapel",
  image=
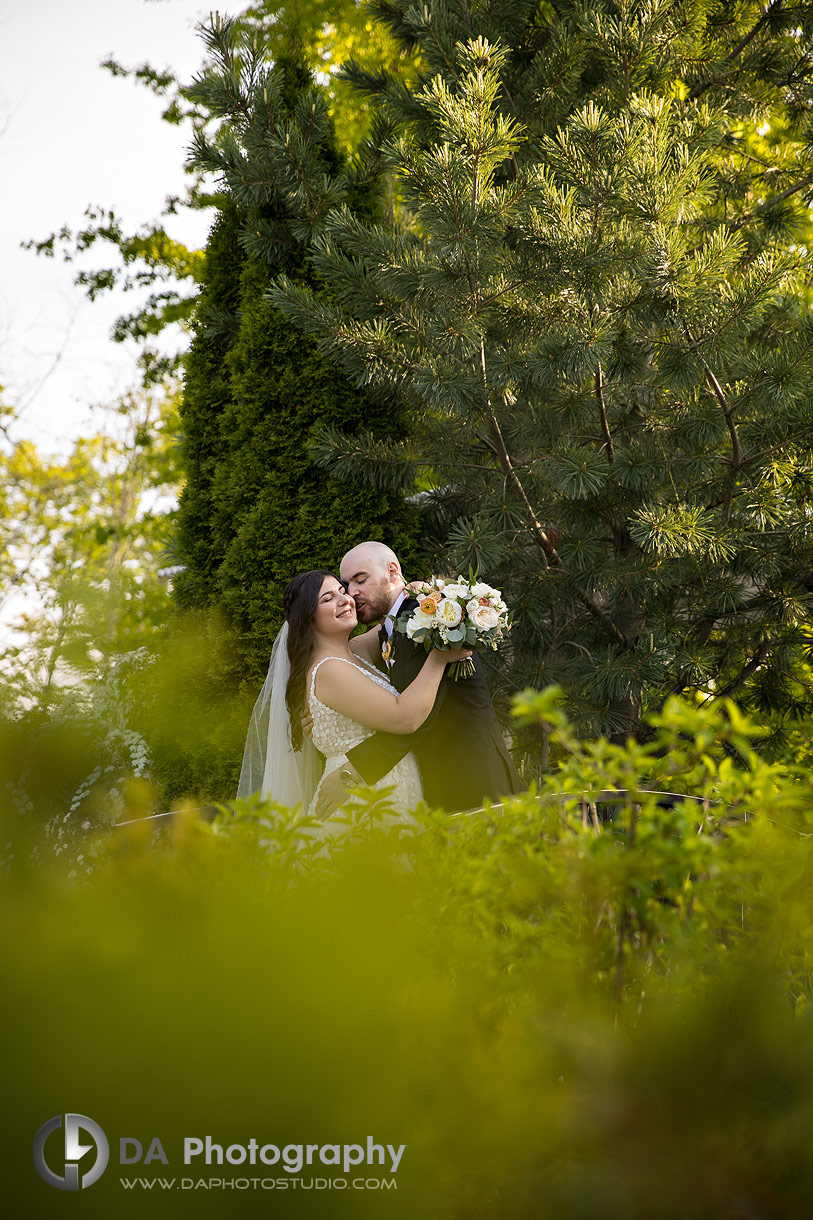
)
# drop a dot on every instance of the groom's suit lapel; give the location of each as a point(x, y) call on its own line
point(380, 663)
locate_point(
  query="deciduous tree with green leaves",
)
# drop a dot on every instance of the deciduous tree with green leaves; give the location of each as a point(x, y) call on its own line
point(150, 258)
point(84, 612)
point(83, 539)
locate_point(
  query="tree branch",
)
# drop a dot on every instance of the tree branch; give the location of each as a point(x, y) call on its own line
point(602, 411)
point(540, 535)
point(770, 203)
point(700, 89)
point(754, 664)
point(728, 412)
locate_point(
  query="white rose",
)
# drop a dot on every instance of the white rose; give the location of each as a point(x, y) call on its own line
point(448, 612)
point(417, 621)
point(482, 590)
point(456, 590)
point(485, 617)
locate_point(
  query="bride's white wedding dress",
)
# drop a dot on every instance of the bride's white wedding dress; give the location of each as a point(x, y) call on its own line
point(334, 734)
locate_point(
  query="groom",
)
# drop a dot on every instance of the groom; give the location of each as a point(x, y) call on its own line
point(460, 749)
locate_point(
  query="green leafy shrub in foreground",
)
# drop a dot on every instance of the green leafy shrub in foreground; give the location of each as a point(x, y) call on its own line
point(700, 842)
point(555, 1020)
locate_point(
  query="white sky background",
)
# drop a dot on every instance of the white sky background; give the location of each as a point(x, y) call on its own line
point(72, 135)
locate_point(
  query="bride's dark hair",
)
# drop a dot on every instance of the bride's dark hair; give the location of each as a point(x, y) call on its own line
point(299, 601)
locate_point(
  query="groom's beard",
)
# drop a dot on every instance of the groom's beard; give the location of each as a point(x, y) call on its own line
point(375, 608)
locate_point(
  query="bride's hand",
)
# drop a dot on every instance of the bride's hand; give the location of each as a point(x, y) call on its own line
point(454, 654)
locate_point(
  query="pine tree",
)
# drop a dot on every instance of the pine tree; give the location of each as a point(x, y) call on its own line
point(599, 320)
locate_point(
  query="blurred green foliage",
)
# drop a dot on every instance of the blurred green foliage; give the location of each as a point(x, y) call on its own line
point(557, 1017)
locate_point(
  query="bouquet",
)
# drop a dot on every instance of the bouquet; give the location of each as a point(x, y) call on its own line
point(456, 614)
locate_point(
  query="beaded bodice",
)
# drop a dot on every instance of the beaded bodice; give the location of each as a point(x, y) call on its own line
point(334, 733)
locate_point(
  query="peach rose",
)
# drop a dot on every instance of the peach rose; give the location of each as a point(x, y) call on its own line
point(485, 617)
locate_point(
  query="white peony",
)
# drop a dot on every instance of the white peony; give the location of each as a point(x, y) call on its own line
point(456, 590)
point(483, 590)
point(484, 617)
point(448, 613)
point(417, 621)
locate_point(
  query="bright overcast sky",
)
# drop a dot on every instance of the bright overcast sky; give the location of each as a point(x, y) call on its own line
point(72, 135)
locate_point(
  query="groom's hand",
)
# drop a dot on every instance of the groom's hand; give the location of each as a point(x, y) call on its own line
point(331, 795)
point(306, 720)
point(333, 790)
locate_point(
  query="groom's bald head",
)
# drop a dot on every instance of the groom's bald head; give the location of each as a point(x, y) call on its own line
point(372, 574)
point(373, 557)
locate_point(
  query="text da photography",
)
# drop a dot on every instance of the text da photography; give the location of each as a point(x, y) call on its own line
point(291, 1157)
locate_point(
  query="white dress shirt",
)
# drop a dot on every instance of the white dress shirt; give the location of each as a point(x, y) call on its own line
point(389, 621)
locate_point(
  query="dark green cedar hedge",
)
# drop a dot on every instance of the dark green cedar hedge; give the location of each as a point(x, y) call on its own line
point(207, 393)
point(274, 513)
point(256, 509)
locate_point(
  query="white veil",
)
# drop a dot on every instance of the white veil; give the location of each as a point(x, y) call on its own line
point(271, 766)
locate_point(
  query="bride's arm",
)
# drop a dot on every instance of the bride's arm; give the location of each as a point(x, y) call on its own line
point(352, 693)
point(366, 646)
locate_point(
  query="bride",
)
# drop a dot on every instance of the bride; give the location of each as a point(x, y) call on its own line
point(315, 662)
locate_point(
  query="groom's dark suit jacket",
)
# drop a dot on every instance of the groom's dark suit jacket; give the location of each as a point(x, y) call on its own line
point(460, 750)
